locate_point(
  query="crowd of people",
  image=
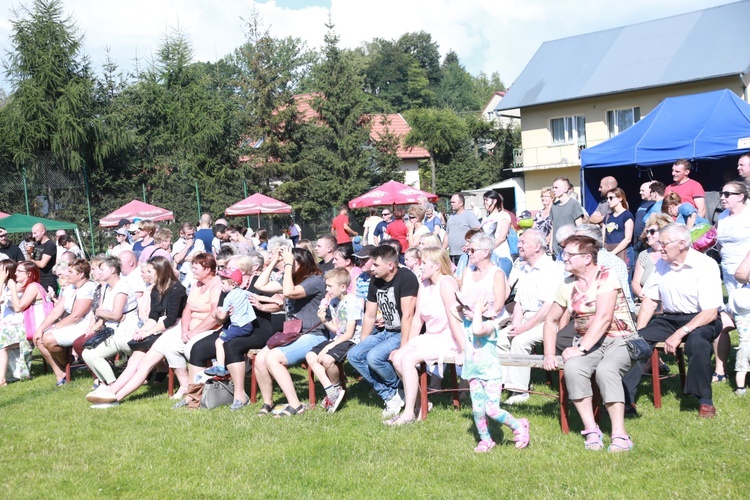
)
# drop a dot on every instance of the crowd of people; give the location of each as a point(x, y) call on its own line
point(416, 287)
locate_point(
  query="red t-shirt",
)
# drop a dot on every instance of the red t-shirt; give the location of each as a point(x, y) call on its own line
point(397, 230)
point(337, 228)
point(688, 191)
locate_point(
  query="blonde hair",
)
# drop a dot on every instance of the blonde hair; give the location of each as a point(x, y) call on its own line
point(163, 235)
point(339, 275)
point(439, 256)
point(417, 211)
point(430, 240)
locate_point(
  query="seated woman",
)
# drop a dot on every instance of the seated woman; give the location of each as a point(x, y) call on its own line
point(118, 309)
point(443, 335)
point(168, 300)
point(594, 298)
point(649, 257)
point(22, 295)
point(68, 320)
point(304, 288)
point(482, 279)
point(265, 325)
point(416, 229)
point(343, 256)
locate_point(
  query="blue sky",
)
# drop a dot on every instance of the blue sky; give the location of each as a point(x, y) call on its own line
point(488, 35)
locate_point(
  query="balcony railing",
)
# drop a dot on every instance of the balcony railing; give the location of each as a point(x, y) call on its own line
point(542, 156)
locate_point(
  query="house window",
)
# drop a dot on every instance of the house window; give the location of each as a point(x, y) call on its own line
point(568, 130)
point(619, 120)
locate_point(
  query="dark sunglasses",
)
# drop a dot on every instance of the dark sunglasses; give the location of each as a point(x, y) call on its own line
point(727, 194)
point(652, 231)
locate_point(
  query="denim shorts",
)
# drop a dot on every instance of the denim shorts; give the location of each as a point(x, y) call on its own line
point(296, 351)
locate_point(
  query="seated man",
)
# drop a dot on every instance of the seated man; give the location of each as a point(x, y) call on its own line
point(688, 284)
point(538, 280)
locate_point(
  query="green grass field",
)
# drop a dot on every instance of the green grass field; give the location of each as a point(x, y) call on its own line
point(55, 446)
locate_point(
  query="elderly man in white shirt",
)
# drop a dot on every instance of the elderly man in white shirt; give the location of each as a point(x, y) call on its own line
point(688, 284)
point(538, 280)
point(183, 251)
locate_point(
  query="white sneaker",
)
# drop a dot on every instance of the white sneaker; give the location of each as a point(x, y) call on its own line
point(518, 397)
point(103, 406)
point(393, 406)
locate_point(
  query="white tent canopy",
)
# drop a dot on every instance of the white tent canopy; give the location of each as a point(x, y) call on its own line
point(516, 183)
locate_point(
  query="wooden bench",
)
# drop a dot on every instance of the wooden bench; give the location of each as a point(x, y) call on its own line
point(506, 359)
point(656, 377)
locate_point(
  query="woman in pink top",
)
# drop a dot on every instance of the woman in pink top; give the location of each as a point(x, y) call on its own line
point(443, 334)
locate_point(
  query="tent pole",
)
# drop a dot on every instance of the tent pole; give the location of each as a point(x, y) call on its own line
point(80, 241)
point(143, 189)
point(25, 191)
point(198, 199)
point(244, 186)
point(88, 206)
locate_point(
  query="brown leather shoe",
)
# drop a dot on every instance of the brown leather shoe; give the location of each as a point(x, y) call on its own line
point(707, 411)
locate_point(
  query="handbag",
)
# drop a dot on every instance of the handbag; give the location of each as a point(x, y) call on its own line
point(98, 337)
point(194, 395)
point(29, 315)
point(292, 331)
point(639, 349)
point(144, 344)
point(217, 393)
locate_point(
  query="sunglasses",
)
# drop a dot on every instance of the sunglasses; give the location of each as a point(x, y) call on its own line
point(652, 231)
point(727, 194)
point(471, 251)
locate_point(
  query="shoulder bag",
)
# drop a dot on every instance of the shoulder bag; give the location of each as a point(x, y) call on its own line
point(292, 331)
point(217, 393)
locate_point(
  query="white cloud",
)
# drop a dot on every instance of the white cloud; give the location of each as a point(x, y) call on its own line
point(488, 35)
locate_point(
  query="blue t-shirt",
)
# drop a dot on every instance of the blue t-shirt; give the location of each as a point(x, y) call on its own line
point(380, 229)
point(243, 310)
point(685, 211)
point(614, 226)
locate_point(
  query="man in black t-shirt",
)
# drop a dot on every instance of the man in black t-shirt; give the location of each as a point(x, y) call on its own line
point(391, 301)
point(44, 256)
point(7, 249)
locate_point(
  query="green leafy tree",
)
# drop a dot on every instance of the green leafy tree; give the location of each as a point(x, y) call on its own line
point(456, 89)
point(425, 52)
point(440, 131)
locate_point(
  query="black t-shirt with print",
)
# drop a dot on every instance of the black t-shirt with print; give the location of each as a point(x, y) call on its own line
point(388, 295)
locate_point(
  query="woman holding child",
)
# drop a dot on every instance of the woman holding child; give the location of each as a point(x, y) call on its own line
point(304, 288)
point(443, 335)
point(594, 298)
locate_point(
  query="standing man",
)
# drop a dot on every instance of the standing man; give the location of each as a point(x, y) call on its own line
point(743, 168)
point(688, 285)
point(461, 221)
point(379, 232)
point(183, 251)
point(393, 293)
point(340, 227)
point(205, 233)
point(640, 216)
point(324, 248)
point(44, 256)
point(602, 210)
point(564, 210)
point(538, 280)
point(7, 249)
point(657, 189)
point(690, 191)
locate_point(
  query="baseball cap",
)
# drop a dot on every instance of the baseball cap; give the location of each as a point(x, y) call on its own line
point(234, 275)
point(122, 231)
point(134, 227)
point(364, 252)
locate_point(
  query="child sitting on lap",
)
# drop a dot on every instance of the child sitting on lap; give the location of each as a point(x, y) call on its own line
point(241, 317)
point(483, 371)
point(345, 324)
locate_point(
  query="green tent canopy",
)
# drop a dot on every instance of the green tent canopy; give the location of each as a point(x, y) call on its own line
point(19, 223)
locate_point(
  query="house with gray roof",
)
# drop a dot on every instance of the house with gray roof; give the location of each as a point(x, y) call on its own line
point(579, 91)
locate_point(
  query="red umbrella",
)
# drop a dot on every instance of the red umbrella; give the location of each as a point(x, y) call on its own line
point(390, 193)
point(3, 215)
point(136, 210)
point(258, 204)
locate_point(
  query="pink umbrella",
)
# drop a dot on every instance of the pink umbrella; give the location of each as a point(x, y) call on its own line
point(258, 204)
point(3, 215)
point(390, 193)
point(136, 209)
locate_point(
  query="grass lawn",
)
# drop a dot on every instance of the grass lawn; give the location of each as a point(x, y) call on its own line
point(54, 446)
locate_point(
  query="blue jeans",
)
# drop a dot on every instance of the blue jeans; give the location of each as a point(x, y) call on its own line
point(370, 359)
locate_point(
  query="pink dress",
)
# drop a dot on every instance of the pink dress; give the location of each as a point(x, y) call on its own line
point(437, 342)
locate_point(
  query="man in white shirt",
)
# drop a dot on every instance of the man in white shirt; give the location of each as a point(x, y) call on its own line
point(538, 280)
point(183, 251)
point(688, 285)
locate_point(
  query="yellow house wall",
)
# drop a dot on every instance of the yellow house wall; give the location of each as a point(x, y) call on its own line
point(535, 180)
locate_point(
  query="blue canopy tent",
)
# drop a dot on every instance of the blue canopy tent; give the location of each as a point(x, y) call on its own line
point(711, 129)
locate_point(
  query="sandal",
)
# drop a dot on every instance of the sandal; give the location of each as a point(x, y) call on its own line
point(266, 409)
point(716, 378)
point(398, 420)
point(484, 446)
point(625, 443)
point(288, 411)
point(593, 439)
